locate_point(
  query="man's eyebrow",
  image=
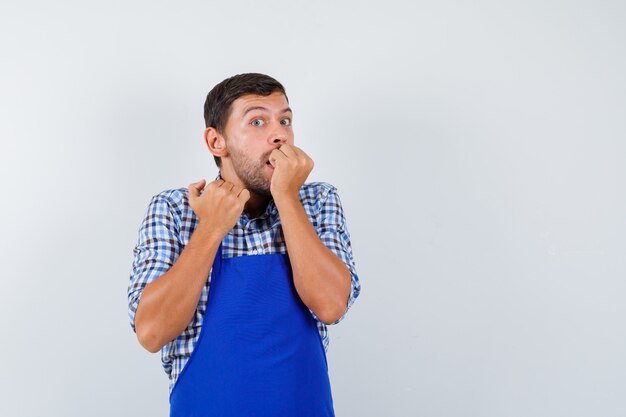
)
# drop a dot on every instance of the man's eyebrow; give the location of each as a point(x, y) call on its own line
point(285, 110)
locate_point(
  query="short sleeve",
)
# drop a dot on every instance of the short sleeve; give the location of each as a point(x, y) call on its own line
point(157, 248)
point(332, 230)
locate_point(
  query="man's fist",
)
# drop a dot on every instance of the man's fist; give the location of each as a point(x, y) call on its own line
point(292, 166)
point(220, 204)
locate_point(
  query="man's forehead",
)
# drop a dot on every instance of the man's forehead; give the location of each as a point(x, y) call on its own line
point(276, 101)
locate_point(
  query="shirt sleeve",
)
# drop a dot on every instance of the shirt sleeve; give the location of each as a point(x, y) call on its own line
point(333, 232)
point(157, 248)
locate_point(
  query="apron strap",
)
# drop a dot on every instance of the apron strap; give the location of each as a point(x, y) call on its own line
point(217, 262)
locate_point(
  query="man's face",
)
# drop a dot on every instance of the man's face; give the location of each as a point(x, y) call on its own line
point(256, 126)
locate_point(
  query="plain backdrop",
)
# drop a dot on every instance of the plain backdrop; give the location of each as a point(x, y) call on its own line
point(478, 149)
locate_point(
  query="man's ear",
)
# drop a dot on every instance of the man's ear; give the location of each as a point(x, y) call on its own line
point(215, 142)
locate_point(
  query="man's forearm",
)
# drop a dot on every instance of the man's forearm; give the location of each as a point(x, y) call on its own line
point(321, 278)
point(168, 303)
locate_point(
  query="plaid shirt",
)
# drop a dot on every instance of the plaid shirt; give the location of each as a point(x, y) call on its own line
point(169, 223)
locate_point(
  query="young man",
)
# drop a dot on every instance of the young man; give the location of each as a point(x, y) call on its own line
point(235, 282)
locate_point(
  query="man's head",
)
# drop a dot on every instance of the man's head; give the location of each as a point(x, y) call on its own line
point(247, 116)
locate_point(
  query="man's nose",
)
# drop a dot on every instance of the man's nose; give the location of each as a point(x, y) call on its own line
point(280, 139)
point(279, 136)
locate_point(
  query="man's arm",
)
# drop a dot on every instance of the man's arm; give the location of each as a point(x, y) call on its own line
point(168, 303)
point(323, 280)
point(168, 288)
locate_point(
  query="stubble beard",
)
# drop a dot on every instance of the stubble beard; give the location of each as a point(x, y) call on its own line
point(251, 173)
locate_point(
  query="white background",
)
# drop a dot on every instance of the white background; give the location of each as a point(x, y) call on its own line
point(478, 148)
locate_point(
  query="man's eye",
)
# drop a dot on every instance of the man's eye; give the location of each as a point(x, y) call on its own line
point(256, 120)
point(288, 122)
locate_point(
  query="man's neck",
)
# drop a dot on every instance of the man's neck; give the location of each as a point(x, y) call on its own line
point(256, 204)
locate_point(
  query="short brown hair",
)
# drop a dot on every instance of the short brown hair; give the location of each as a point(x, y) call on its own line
point(217, 106)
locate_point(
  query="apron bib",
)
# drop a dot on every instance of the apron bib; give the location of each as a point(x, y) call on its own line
point(259, 353)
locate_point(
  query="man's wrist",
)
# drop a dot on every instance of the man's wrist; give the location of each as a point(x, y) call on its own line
point(207, 233)
point(286, 199)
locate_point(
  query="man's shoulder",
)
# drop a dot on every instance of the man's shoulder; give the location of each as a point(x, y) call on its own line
point(316, 191)
point(316, 196)
point(176, 198)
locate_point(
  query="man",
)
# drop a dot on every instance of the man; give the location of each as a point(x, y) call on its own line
point(251, 268)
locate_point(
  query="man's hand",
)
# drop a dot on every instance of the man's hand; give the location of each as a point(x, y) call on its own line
point(292, 166)
point(220, 204)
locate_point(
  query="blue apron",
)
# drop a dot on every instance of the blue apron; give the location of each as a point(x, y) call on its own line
point(259, 352)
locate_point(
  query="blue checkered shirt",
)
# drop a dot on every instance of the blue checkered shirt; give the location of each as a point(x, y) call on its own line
point(169, 222)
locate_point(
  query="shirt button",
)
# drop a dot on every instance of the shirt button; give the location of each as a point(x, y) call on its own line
point(255, 252)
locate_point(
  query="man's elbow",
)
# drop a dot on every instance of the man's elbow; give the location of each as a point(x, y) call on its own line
point(148, 340)
point(332, 316)
point(150, 346)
